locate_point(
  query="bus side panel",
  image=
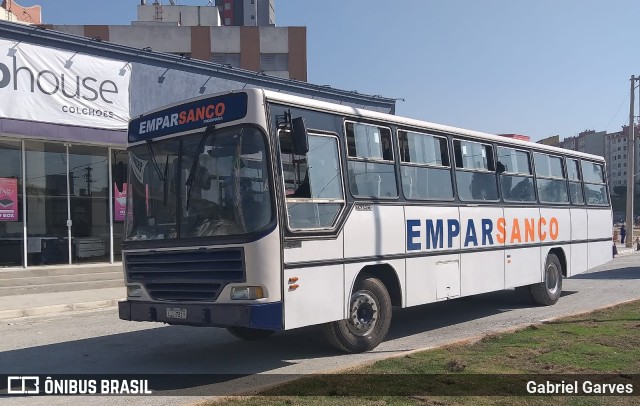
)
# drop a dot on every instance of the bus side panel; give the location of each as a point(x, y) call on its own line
point(522, 265)
point(314, 250)
point(600, 226)
point(376, 231)
point(318, 288)
point(317, 299)
point(579, 252)
point(480, 272)
point(560, 236)
point(433, 277)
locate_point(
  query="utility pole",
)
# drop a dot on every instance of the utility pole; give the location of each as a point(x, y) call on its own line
point(630, 167)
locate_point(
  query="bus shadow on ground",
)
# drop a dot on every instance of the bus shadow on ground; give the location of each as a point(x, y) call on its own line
point(447, 313)
point(632, 272)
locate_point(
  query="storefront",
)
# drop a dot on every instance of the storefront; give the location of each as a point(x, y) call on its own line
point(65, 103)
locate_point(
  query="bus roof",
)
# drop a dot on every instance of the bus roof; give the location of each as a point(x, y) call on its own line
point(398, 120)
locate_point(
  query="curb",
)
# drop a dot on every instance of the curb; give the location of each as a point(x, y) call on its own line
point(57, 309)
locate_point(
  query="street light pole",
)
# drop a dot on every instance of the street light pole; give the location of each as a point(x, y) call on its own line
point(630, 168)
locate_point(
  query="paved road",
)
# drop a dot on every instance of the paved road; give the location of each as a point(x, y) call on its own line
point(97, 342)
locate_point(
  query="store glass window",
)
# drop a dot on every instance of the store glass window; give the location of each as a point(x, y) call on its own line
point(89, 200)
point(46, 185)
point(11, 215)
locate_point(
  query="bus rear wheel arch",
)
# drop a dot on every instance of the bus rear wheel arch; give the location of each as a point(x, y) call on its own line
point(369, 318)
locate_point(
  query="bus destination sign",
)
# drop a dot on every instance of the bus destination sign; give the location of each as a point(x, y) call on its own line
point(189, 116)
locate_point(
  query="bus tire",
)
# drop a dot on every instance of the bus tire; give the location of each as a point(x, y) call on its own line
point(369, 318)
point(249, 334)
point(549, 290)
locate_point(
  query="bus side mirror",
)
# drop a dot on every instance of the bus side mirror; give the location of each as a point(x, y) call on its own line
point(119, 175)
point(300, 137)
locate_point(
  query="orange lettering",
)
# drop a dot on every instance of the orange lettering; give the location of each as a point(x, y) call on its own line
point(200, 114)
point(554, 228)
point(542, 235)
point(500, 237)
point(220, 108)
point(515, 231)
point(529, 230)
point(191, 116)
point(210, 111)
point(183, 117)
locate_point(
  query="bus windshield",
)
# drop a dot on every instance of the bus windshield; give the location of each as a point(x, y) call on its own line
point(207, 184)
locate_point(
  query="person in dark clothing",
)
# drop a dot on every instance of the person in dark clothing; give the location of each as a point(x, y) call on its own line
point(623, 234)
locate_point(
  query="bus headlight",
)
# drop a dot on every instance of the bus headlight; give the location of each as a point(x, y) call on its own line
point(134, 291)
point(246, 293)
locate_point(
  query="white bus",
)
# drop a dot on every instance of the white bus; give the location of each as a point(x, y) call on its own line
point(259, 211)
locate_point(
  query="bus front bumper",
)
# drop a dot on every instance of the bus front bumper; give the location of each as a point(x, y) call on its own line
point(267, 316)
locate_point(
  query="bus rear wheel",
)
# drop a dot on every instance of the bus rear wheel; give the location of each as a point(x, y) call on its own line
point(249, 334)
point(549, 290)
point(369, 318)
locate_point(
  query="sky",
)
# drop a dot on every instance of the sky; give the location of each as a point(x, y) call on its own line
point(531, 67)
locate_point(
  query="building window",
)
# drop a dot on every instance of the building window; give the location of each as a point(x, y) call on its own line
point(227, 21)
point(274, 62)
point(226, 59)
point(227, 6)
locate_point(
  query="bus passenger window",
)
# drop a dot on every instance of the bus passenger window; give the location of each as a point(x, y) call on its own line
point(552, 185)
point(516, 177)
point(475, 171)
point(425, 169)
point(595, 187)
point(575, 184)
point(371, 168)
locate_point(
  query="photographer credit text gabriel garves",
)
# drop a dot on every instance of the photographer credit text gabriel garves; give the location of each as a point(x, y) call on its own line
point(575, 387)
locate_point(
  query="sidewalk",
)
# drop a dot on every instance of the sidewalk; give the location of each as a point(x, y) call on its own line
point(39, 304)
point(54, 289)
point(623, 250)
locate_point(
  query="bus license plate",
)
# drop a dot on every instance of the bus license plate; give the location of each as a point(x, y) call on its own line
point(176, 313)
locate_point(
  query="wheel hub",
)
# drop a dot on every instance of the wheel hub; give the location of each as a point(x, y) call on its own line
point(364, 313)
point(552, 278)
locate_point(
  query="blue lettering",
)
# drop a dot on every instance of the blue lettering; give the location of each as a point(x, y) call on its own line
point(434, 236)
point(453, 227)
point(487, 228)
point(411, 234)
point(471, 234)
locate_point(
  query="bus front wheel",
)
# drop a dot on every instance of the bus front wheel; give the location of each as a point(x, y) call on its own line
point(369, 318)
point(549, 290)
point(249, 334)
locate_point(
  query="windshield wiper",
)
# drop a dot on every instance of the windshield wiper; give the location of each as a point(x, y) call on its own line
point(196, 160)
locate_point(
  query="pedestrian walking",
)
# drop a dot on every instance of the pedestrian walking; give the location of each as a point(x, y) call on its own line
point(623, 233)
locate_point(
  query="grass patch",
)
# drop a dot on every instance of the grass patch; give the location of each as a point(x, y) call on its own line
point(603, 342)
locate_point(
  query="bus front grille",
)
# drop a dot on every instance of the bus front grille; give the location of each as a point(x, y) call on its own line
point(196, 275)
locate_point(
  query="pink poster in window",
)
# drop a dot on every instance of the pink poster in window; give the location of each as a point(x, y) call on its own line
point(8, 199)
point(120, 205)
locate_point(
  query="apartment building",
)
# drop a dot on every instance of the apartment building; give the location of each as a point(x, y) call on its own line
point(200, 32)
